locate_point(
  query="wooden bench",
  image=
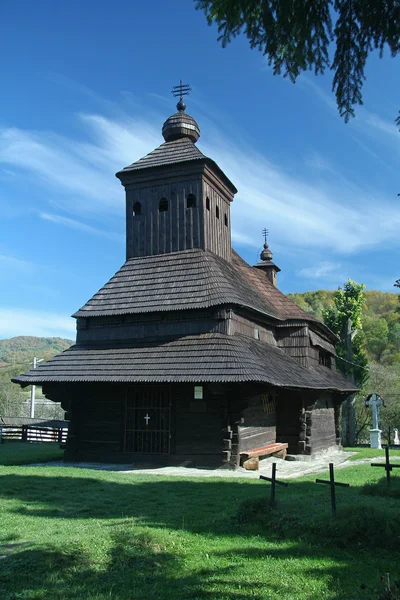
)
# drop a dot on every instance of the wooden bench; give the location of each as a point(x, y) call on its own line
point(250, 459)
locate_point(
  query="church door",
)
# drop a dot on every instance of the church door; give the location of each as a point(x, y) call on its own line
point(148, 420)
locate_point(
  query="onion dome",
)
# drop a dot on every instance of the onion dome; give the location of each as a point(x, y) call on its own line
point(180, 125)
point(266, 254)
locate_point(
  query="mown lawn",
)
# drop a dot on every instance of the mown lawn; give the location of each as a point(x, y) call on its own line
point(93, 535)
point(24, 453)
point(370, 453)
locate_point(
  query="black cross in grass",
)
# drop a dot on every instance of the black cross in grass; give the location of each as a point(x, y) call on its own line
point(273, 481)
point(332, 483)
point(387, 465)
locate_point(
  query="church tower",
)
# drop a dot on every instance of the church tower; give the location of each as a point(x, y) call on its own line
point(176, 197)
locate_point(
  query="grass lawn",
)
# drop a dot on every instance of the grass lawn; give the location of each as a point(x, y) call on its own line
point(370, 453)
point(23, 453)
point(80, 534)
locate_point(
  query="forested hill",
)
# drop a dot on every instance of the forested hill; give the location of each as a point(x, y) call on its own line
point(381, 320)
point(22, 349)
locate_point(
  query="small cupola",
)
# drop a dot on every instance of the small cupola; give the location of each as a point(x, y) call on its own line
point(266, 263)
point(180, 125)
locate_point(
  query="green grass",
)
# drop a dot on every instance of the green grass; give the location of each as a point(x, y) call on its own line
point(369, 453)
point(80, 534)
point(23, 453)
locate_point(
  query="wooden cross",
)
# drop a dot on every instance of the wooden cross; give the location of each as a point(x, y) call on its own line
point(387, 465)
point(147, 418)
point(332, 483)
point(273, 481)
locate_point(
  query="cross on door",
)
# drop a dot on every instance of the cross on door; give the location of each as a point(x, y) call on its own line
point(147, 418)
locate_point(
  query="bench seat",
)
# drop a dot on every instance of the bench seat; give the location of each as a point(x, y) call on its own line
point(249, 459)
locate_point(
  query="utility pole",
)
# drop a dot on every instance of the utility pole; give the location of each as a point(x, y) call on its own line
point(33, 388)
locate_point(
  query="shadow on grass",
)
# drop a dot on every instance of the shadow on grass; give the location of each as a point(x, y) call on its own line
point(138, 565)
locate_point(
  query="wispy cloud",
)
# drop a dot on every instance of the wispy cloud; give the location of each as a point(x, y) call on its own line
point(78, 225)
point(318, 271)
point(17, 263)
point(14, 321)
point(306, 210)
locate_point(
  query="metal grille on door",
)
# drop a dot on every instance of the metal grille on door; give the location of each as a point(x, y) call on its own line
point(148, 421)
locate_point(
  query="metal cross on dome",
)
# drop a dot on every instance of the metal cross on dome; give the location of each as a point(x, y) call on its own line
point(265, 234)
point(183, 89)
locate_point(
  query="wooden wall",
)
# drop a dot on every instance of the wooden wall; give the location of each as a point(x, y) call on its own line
point(217, 229)
point(258, 423)
point(206, 225)
point(95, 431)
point(155, 232)
point(289, 408)
point(156, 325)
point(245, 326)
point(294, 340)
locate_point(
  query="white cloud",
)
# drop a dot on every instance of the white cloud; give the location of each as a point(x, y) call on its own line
point(318, 271)
point(74, 224)
point(304, 210)
point(17, 263)
point(17, 321)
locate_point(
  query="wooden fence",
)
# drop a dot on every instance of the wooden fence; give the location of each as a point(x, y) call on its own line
point(33, 433)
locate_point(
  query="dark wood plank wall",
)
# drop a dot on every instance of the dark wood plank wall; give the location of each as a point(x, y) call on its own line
point(258, 426)
point(155, 232)
point(217, 232)
point(321, 424)
point(249, 328)
point(161, 325)
point(295, 341)
point(289, 408)
point(199, 424)
point(96, 417)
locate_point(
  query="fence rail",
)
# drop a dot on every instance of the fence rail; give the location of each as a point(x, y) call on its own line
point(31, 433)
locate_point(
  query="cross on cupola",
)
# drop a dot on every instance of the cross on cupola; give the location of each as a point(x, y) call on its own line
point(266, 264)
point(183, 89)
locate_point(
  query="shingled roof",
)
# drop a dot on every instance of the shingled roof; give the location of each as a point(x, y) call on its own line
point(173, 152)
point(168, 153)
point(190, 279)
point(203, 358)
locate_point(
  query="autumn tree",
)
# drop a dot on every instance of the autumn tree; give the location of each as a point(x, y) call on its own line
point(298, 35)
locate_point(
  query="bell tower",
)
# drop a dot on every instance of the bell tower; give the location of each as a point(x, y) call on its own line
point(176, 197)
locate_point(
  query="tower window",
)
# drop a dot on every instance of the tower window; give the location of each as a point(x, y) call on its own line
point(324, 359)
point(217, 211)
point(137, 209)
point(208, 203)
point(226, 220)
point(191, 201)
point(163, 206)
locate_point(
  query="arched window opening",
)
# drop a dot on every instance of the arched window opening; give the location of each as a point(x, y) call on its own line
point(163, 206)
point(217, 211)
point(208, 203)
point(226, 220)
point(137, 209)
point(191, 201)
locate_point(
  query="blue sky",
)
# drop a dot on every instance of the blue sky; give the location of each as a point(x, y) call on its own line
point(85, 90)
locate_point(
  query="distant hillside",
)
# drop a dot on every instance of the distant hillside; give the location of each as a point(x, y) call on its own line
point(21, 350)
point(381, 320)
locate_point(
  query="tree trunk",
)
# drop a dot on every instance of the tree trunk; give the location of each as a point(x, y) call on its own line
point(348, 407)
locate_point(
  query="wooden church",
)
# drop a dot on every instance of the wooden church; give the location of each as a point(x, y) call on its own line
point(188, 354)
